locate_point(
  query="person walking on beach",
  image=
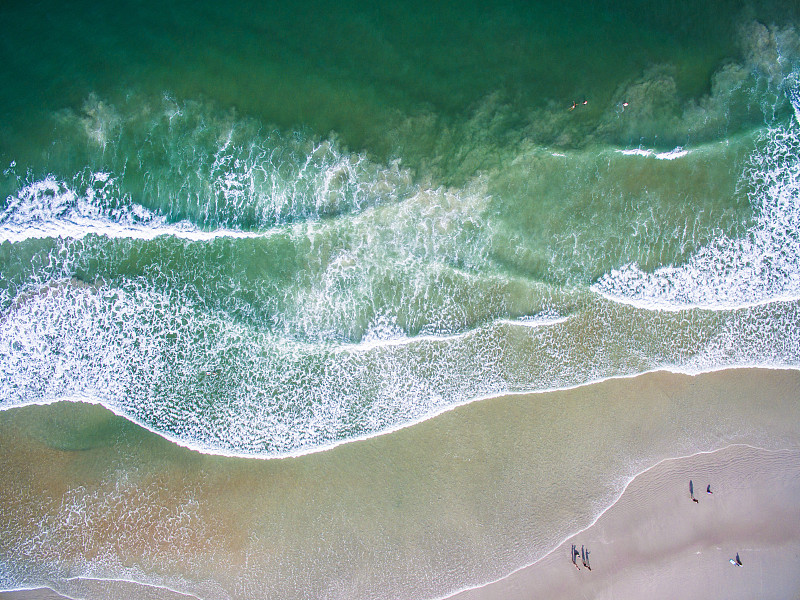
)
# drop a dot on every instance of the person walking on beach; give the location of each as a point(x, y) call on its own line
point(708, 489)
point(574, 554)
point(691, 491)
point(585, 558)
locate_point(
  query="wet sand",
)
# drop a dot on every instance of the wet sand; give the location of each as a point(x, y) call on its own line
point(456, 501)
point(35, 594)
point(655, 542)
point(107, 590)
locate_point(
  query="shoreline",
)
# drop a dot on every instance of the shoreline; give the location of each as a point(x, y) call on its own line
point(682, 549)
point(192, 447)
point(465, 498)
point(701, 556)
point(108, 588)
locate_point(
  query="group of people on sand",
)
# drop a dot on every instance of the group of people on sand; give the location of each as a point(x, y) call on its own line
point(691, 491)
point(584, 554)
point(734, 561)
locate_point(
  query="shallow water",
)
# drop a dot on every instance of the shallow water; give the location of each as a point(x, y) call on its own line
point(262, 230)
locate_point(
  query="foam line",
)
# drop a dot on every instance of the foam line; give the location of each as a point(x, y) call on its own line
point(79, 228)
point(535, 321)
point(384, 339)
point(39, 587)
point(193, 446)
point(669, 155)
point(138, 583)
point(373, 344)
point(664, 305)
point(49, 208)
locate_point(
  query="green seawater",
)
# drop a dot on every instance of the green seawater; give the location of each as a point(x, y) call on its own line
point(265, 229)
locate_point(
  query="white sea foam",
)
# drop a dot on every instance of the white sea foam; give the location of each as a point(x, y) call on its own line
point(670, 155)
point(541, 319)
point(157, 358)
point(762, 266)
point(636, 152)
point(337, 360)
point(51, 208)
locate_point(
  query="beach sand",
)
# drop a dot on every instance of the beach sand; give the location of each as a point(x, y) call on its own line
point(453, 502)
point(656, 543)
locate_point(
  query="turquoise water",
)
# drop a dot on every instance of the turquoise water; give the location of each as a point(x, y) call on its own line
point(264, 230)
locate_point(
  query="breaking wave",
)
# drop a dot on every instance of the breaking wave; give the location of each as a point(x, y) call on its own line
point(759, 267)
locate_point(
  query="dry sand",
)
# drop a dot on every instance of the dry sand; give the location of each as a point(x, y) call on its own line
point(655, 542)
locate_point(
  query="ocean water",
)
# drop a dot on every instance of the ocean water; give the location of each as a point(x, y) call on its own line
point(263, 230)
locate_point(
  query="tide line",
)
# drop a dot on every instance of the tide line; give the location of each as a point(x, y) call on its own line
point(134, 582)
point(33, 589)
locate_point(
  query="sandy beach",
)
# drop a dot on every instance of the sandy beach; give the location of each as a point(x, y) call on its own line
point(655, 542)
point(451, 503)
